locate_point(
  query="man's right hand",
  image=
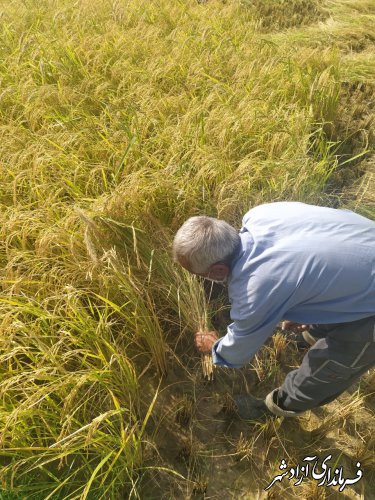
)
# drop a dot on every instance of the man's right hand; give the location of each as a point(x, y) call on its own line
point(204, 340)
point(294, 327)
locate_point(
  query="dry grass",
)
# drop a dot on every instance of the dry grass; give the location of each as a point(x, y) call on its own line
point(119, 119)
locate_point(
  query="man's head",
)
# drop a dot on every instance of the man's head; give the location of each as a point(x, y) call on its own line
point(205, 246)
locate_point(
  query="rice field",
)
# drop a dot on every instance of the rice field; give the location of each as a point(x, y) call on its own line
point(118, 120)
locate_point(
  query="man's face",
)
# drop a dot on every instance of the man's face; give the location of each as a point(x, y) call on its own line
point(217, 272)
point(184, 263)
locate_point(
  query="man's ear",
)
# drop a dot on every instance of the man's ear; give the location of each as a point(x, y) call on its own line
point(218, 271)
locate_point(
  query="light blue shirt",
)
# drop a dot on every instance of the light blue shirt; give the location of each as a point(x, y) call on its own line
point(296, 262)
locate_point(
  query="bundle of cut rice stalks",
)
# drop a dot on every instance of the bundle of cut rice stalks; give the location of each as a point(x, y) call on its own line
point(206, 359)
point(193, 308)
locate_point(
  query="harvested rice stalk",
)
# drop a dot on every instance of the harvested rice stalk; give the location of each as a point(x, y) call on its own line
point(207, 367)
point(193, 310)
point(206, 359)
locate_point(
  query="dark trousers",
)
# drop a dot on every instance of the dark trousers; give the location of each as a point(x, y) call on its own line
point(342, 354)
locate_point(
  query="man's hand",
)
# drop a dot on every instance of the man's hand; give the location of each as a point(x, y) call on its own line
point(294, 327)
point(204, 341)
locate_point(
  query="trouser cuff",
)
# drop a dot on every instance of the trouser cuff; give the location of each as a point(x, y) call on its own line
point(277, 410)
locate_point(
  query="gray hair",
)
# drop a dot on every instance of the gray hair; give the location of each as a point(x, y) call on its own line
point(203, 241)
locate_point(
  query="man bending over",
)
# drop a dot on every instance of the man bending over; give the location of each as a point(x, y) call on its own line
point(307, 265)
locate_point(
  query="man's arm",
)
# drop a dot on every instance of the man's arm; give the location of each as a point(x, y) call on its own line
point(206, 340)
point(256, 311)
point(241, 343)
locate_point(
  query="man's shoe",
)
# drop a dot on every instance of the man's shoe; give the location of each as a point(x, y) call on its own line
point(250, 408)
point(275, 408)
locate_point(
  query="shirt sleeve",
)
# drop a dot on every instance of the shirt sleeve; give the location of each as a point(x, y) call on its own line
point(255, 318)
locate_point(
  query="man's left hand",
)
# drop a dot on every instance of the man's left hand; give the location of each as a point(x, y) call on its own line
point(294, 327)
